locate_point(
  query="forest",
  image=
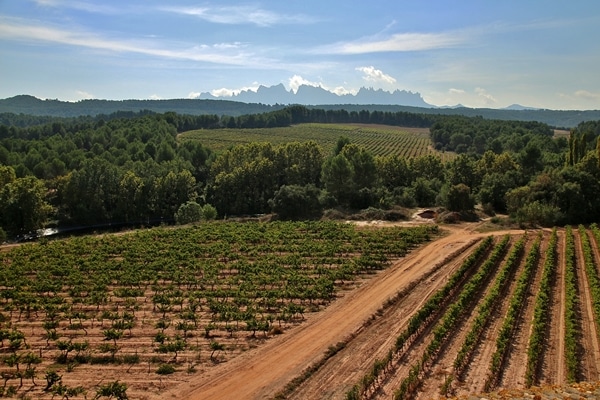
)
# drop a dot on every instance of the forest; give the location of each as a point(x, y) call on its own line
point(141, 167)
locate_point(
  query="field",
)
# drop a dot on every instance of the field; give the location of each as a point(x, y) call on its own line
point(154, 307)
point(306, 310)
point(378, 139)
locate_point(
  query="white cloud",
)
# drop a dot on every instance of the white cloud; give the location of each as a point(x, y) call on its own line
point(236, 15)
point(80, 5)
point(456, 91)
point(375, 75)
point(193, 95)
point(296, 81)
point(217, 54)
point(83, 95)
point(224, 92)
point(487, 98)
point(586, 95)
point(340, 91)
point(155, 97)
point(399, 42)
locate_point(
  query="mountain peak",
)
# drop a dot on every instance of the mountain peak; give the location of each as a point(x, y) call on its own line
point(317, 95)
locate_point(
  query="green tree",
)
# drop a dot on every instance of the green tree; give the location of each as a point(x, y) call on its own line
point(173, 190)
point(188, 213)
point(338, 178)
point(341, 143)
point(91, 193)
point(427, 167)
point(295, 202)
point(393, 171)
point(458, 198)
point(209, 212)
point(131, 202)
point(23, 205)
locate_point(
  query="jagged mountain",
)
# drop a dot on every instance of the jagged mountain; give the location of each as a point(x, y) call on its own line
point(312, 95)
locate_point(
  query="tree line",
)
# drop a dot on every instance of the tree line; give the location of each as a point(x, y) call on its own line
point(135, 168)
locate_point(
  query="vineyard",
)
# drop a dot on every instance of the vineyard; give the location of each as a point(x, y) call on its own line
point(380, 140)
point(208, 311)
point(516, 311)
point(147, 310)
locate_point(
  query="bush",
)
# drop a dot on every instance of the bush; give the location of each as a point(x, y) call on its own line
point(209, 212)
point(295, 202)
point(165, 369)
point(538, 213)
point(188, 213)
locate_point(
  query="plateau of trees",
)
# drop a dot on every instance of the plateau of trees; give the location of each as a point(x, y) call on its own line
point(136, 168)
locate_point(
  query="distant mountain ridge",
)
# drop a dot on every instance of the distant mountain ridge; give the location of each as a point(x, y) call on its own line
point(313, 95)
point(25, 104)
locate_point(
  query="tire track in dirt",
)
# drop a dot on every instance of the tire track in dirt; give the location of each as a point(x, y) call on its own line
point(590, 359)
point(264, 371)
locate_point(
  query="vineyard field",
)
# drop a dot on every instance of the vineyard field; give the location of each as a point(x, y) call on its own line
point(154, 307)
point(379, 139)
point(305, 311)
point(506, 327)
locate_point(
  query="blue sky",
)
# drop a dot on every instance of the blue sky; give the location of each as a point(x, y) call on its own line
point(478, 53)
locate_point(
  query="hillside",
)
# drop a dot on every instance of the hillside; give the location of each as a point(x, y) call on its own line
point(25, 104)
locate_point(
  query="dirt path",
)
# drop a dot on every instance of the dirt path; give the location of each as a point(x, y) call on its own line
point(262, 372)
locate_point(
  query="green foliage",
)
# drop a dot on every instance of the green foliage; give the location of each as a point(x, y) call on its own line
point(23, 205)
point(296, 202)
point(188, 213)
point(458, 198)
point(476, 135)
point(165, 369)
point(112, 389)
point(541, 317)
point(135, 168)
point(209, 212)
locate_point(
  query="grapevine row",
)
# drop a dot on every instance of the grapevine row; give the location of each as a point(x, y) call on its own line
point(484, 313)
point(596, 232)
point(449, 321)
point(514, 310)
point(541, 316)
point(591, 273)
point(571, 306)
point(420, 320)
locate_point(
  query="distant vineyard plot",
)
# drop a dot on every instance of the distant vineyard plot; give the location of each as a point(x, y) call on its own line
point(381, 140)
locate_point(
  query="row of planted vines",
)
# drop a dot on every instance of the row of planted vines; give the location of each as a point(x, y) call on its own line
point(503, 319)
point(379, 140)
point(170, 301)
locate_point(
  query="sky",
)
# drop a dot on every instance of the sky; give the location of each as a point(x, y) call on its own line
point(478, 53)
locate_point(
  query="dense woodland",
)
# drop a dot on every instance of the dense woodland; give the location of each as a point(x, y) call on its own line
point(135, 168)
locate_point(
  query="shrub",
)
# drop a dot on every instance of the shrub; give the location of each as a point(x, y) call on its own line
point(188, 213)
point(209, 212)
point(165, 369)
